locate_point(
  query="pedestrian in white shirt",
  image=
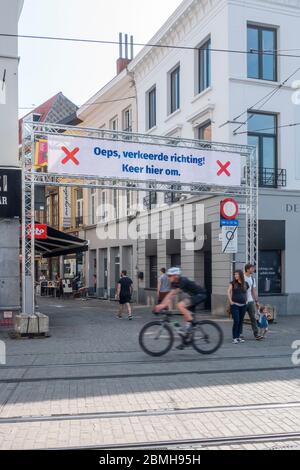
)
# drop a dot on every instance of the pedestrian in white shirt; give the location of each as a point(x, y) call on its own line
point(252, 299)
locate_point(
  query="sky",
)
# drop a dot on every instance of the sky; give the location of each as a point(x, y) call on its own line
point(79, 70)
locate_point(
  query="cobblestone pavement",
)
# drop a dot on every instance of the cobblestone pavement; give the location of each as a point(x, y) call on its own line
point(89, 384)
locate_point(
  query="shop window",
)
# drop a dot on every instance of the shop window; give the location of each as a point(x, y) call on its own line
point(269, 272)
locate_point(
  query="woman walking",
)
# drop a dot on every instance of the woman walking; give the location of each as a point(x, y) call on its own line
point(237, 296)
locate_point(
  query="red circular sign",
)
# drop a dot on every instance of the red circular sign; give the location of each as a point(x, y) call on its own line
point(229, 208)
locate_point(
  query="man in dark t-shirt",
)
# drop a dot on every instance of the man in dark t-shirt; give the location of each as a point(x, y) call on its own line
point(124, 293)
point(196, 295)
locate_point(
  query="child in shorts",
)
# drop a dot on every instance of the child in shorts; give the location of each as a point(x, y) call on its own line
point(263, 320)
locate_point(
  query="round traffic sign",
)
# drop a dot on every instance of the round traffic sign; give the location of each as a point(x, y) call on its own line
point(229, 208)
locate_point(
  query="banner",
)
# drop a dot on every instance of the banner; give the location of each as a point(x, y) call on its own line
point(131, 160)
point(41, 153)
point(66, 209)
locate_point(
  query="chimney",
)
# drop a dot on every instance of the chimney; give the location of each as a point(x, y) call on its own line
point(124, 60)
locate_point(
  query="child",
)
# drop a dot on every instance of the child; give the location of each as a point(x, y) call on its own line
point(263, 320)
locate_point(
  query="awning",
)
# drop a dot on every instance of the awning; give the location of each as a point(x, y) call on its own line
point(59, 243)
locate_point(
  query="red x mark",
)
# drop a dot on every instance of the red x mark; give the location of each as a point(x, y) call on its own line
point(223, 168)
point(70, 155)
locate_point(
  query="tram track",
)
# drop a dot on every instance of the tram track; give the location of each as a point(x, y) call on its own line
point(148, 413)
point(193, 444)
point(144, 362)
point(145, 374)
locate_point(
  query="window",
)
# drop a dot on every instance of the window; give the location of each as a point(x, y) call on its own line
point(261, 60)
point(269, 272)
point(103, 211)
point(116, 203)
point(131, 208)
point(176, 260)
point(113, 125)
point(175, 90)
point(48, 210)
point(204, 61)
point(127, 120)
point(79, 207)
point(171, 197)
point(54, 204)
point(153, 272)
point(93, 206)
point(150, 200)
point(204, 131)
point(262, 133)
point(151, 95)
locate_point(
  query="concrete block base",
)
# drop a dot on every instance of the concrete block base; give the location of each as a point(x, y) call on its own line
point(32, 324)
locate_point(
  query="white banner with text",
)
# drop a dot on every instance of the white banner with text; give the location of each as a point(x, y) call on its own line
point(130, 160)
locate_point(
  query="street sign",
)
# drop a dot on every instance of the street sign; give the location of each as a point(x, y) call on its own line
point(229, 239)
point(229, 210)
point(229, 223)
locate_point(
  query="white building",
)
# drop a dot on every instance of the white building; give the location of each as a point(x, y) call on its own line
point(9, 239)
point(208, 87)
point(192, 92)
point(102, 212)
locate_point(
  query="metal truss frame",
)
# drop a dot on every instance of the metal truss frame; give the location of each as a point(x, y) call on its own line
point(33, 131)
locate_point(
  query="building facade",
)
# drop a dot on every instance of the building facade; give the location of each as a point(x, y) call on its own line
point(103, 213)
point(10, 226)
point(224, 80)
point(49, 200)
point(242, 97)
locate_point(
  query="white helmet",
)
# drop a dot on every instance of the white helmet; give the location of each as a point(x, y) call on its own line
point(174, 272)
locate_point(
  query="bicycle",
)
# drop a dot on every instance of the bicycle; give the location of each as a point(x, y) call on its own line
point(157, 337)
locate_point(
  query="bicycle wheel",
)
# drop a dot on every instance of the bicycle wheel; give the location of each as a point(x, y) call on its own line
point(156, 338)
point(207, 337)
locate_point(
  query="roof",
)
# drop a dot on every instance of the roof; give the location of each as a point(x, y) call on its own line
point(56, 109)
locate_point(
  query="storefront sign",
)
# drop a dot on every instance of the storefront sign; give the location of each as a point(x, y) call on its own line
point(40, 231)
point(131, 161)
point(10, 193)
point(66, 209)
point(295, 208)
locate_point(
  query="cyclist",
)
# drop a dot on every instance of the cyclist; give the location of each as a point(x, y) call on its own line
point(196, 295)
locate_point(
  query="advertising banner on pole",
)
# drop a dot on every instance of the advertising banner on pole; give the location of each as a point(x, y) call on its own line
point(66, 209)
point(133, 160)
point(41, 153)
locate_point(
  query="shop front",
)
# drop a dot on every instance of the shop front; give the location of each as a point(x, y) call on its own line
point(279, 253)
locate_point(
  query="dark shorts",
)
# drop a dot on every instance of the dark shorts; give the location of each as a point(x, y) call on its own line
point(192, 301)
point(124, 299)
